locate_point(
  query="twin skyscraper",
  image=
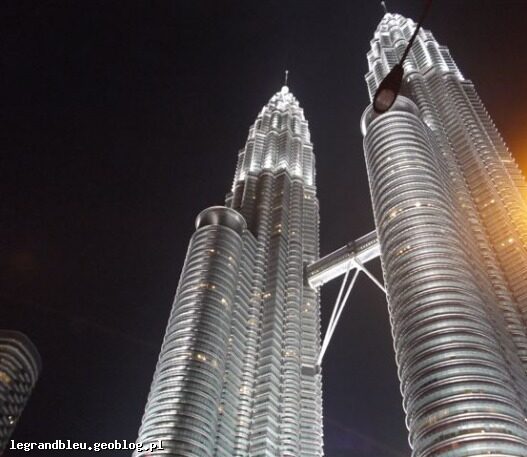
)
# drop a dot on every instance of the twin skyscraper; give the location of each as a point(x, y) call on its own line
point(237, 375)
point(231, 378)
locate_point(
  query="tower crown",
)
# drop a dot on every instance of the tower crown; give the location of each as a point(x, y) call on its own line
point(279, 139)
point(284, 100)
point(389, 43)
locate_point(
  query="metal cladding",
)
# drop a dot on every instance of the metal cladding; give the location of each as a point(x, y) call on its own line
point(183, 407)
point(274, 188)
point(220, 215)
point(232, 378)
point(451, 221)
point(20, 366)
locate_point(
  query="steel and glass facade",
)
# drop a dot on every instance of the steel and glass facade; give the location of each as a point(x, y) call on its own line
point(236, 376)
point(451, 220)
point(20, 366)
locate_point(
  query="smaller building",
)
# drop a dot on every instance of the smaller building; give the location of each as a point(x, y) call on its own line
point(20, 366)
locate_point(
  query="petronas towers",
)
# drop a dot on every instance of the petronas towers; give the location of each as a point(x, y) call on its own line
point(451, 222)
point(237, 375)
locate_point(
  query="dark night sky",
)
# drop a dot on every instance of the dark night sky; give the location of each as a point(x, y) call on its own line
point(122, 120)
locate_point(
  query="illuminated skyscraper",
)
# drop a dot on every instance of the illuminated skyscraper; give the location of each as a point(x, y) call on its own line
point(20, 366)
point(236, 377)
point(452, 228)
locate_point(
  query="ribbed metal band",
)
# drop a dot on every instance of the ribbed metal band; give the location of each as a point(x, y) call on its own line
point(236, 373)
point(20, 367)
point(459, 391)
point(183, 407)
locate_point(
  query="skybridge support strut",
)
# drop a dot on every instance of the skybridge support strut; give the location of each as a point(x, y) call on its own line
point(350, 257)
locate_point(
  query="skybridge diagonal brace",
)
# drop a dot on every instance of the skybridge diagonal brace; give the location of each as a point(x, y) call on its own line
point(337, 311)
point(352, 256)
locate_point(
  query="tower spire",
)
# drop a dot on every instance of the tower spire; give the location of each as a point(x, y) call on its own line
point(383, 4)
point(285, 77)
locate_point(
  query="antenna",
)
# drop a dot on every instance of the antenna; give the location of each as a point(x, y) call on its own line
point(285, 77)
point(383, 3)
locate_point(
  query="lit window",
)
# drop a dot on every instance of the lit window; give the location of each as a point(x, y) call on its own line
point(5, 378)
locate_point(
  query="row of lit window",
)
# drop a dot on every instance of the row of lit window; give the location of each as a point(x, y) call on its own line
point(415, 205)
point(217, 252)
